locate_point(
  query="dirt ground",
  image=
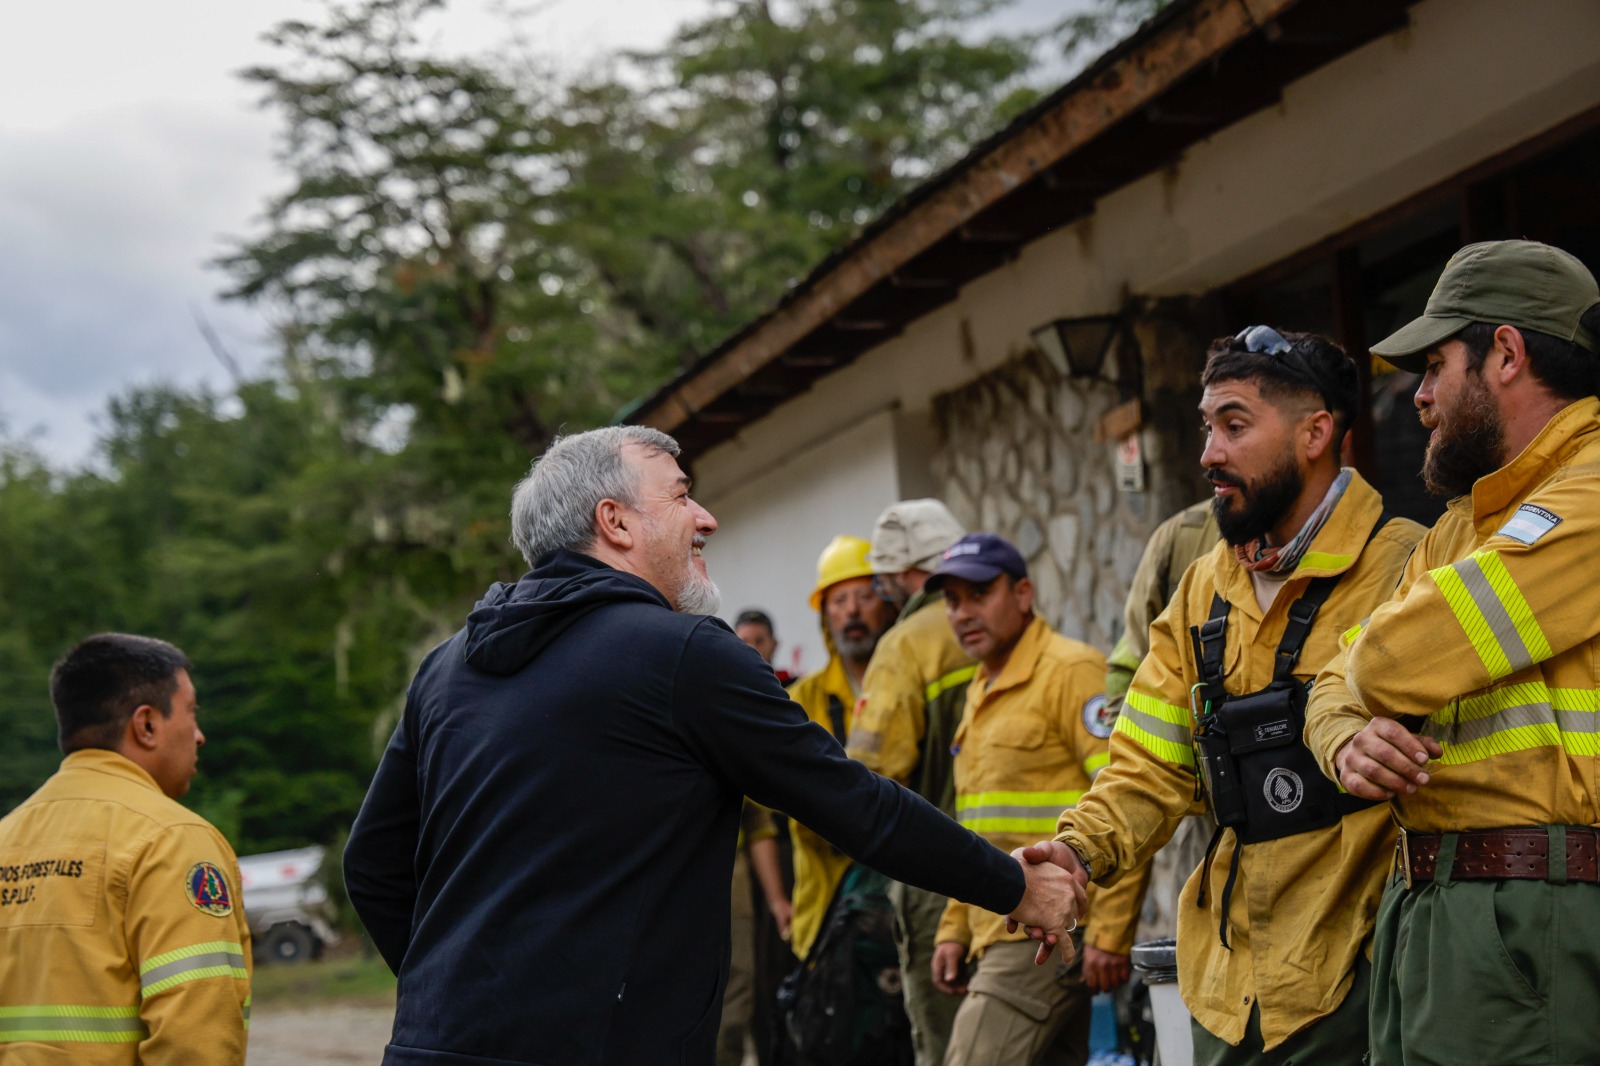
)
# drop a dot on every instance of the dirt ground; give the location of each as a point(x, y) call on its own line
point(335, 1035)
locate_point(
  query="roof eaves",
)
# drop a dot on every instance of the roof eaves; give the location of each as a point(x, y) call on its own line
point(1165, 49)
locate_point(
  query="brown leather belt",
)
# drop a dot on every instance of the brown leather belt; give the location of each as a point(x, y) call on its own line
point(1501, 854)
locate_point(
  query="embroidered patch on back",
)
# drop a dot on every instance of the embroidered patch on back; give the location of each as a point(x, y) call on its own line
point(1097, 718)
point(208, 889)
point(1529, 524)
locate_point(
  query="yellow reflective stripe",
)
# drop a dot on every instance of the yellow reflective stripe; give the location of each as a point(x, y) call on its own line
point(1472, 621)
point(1493, 613)
point(1157, 746)
point(1014, 812)
point(949, 681)
point(1349, 635)
point(1515, 604)
point(1097, 762)
point(72, 1024)
point(1518, 718)
point(207, 948)
point(1039, 824)
point(215, 958)
point(1160, 728)
point(1166, 712)
point(244, 1009)
point(1323, 561)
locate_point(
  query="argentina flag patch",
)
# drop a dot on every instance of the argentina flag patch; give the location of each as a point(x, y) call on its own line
point(1529, 524)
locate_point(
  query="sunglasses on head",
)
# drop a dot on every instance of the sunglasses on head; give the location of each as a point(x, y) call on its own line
point(1264, 340)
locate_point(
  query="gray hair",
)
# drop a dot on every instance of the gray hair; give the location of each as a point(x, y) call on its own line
point(553, 507)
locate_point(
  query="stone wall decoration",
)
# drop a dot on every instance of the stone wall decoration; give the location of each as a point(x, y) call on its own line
point(1018, 456)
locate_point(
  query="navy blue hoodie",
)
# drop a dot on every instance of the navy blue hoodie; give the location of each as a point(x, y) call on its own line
point(545, 853)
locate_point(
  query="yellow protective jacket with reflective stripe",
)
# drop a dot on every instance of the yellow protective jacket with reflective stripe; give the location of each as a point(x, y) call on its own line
point(1494, 637)
point(1029, 744)
point(818, 865)
point(911, 702)
point(122, 939)
point(1304, 904)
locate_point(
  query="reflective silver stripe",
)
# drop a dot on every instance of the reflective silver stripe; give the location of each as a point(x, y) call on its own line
point(42, 1022)
point(1494, 613)
point(867, 740)
point(1158, 727)
point(974, 814)
point(1469, 730)
point(209, 960)
point(79, 1024)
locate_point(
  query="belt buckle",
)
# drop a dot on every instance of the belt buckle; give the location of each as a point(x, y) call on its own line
point(1403, 845)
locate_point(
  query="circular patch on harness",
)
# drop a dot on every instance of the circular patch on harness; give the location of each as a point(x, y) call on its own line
point(1284, 790)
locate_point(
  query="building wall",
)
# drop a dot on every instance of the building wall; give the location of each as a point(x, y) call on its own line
point(774, 523)
point(1348, 141)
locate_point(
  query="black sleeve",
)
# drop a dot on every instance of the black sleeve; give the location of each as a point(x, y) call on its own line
point(735, 718)
point(380, 857)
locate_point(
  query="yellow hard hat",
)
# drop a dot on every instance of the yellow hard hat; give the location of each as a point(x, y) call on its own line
point(845, 557)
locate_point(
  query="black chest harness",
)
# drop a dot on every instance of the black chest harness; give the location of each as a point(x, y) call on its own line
point(1263, 782)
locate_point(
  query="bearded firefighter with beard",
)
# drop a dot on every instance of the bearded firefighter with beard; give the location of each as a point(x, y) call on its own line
point(1273, 926)
point(1469, 700)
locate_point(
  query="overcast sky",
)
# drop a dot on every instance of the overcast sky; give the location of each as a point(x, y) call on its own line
point(129, 152)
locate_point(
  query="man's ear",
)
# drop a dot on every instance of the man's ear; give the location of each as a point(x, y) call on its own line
point(1508, 358)
point(614, 524)
point(1024, 591)
point(1320, 429)
point(144, 727)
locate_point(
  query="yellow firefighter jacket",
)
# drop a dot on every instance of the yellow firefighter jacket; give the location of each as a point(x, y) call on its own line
point(1304, 904)
point(911, 702)
point(122, 939)
point(1494, 636)
point(818, 865)
point(1030, 742)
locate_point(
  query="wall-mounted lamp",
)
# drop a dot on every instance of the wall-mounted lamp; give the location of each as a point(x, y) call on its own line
point(1077, 347)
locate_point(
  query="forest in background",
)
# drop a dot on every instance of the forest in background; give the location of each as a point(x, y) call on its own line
point(474, 254)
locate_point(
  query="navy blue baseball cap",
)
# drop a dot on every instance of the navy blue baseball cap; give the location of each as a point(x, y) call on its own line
point(979, 558)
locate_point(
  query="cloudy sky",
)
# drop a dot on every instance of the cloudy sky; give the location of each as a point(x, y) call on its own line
point(130, 151)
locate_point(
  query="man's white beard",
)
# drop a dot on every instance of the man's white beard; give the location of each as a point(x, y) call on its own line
point(699, 595)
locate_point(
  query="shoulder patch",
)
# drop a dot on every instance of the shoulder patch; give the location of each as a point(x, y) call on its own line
point(1528, 524)
point(208, 889)
point(1099, 719)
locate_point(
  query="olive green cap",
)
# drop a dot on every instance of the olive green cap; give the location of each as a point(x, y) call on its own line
point(1505, 283)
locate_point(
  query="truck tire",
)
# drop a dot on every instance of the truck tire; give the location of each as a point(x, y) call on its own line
point(289, 943)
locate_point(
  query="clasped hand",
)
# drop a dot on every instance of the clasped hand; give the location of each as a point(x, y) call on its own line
point(1385, 760)
point(1053, 899)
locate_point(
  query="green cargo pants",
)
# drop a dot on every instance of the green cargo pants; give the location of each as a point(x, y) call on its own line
point(932, 1012)
point(1502, 972)
point(1337, 1039)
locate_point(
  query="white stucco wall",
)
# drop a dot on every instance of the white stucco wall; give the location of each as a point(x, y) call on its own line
point(774, 523)
point(1467, 80)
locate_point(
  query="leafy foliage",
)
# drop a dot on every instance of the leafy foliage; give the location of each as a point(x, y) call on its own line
point(470, 257)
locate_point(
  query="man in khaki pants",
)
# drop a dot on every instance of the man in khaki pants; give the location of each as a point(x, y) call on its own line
point(1033, 736)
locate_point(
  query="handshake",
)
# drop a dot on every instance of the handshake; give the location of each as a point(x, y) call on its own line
point(1052, 899)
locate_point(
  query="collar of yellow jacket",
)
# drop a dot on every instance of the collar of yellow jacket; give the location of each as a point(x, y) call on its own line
point(1018, 669)
point(1333, 550)
point(1573, 426)
point(102, 761)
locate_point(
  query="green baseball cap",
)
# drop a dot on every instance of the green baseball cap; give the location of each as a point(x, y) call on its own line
point(1511, 283)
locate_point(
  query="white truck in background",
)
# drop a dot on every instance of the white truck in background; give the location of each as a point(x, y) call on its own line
point(286, 905)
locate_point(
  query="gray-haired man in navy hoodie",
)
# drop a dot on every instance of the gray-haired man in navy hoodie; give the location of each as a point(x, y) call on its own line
point(545, 852)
